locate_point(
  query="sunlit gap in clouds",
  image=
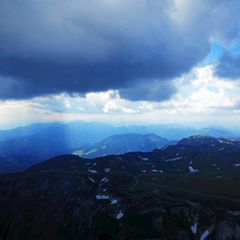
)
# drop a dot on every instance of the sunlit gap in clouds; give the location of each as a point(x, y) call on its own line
point(202, 97)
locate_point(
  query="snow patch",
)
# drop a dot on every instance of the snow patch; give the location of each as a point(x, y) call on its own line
point(92, 171)
point(236, 165)
point(204, 235)
point(173, 159)
point(119, 215)
point(192, 170)
point(91, 179)
point(102, 197)
point(107, 170)
point(104, 180)
point(194, 228)
point(114, 201)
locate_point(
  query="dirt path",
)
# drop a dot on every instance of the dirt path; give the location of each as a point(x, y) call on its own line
point(208, 195)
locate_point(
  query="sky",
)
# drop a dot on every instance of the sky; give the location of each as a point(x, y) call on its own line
point(120, 61)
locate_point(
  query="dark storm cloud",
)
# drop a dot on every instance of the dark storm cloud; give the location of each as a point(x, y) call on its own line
point(55, 46)
point(47, 77)
point(229, 66)
point(154, 91)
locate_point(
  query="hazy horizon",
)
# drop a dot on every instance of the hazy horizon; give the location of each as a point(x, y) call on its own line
point(126, 124)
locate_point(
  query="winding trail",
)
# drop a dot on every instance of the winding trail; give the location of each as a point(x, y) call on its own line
point(134, 185)
point(171, 188)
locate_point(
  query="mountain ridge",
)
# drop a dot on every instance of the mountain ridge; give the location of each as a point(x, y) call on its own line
point(123, 143)
point(178, 192)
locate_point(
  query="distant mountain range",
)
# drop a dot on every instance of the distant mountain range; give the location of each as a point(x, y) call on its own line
point(26, 151)
point(184, 191)
point(25, 146)
point(93, 132)
point(119, 144)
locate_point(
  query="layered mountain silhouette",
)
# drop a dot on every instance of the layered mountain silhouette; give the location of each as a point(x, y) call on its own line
point(183, 191)
point(25, 146)
point(119, 144)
